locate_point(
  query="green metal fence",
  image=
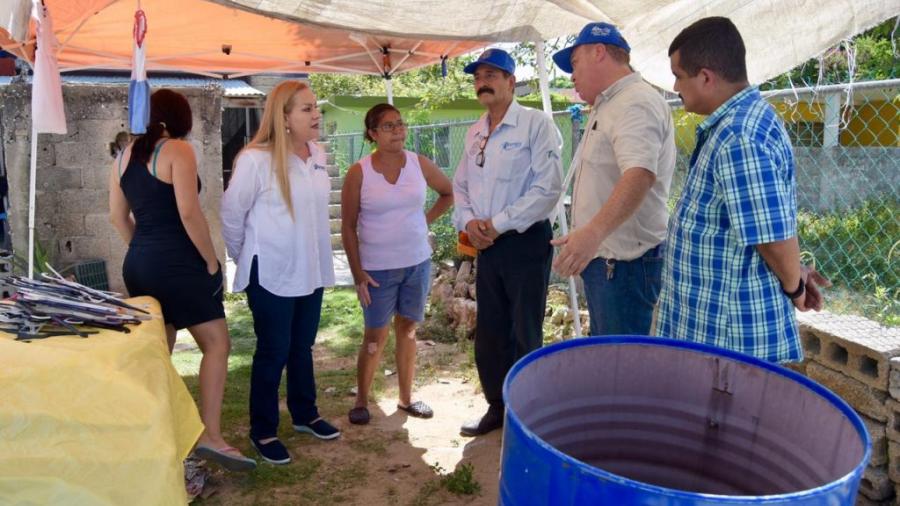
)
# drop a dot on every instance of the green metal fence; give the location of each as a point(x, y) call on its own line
point(847, 147)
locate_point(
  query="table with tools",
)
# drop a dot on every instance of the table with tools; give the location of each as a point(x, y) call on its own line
point(102, 419)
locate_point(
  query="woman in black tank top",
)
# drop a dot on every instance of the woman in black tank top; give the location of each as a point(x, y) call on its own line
point(155, 208)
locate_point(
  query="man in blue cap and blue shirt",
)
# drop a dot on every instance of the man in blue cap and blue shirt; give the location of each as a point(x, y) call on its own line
point(505, 188)
point(624, 167)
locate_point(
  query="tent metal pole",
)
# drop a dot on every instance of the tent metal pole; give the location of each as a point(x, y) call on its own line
point(560, 208)
point(32, 187)
point(389, 89)
point(542, 77)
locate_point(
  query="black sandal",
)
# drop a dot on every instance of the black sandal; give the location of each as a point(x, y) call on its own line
point(418, 409)
point(359, 416)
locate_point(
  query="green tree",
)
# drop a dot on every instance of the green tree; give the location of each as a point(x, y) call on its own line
point(876, 58)
point(426, 83)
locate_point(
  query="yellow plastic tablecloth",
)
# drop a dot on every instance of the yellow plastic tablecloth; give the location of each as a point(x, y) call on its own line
point(101, 420)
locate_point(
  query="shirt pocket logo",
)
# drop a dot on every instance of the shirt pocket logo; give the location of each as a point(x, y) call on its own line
point(509, 146)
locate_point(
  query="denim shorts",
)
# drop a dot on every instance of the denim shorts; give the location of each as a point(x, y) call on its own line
point(401, 291)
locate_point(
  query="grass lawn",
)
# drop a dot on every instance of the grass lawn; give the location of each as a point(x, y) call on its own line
point(394, 460)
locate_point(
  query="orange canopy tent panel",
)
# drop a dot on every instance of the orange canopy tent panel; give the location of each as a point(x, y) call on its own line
point(207, 38)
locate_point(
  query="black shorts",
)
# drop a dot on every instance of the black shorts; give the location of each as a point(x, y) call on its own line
point(177, 278)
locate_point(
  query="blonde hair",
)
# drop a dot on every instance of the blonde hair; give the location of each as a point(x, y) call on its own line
point(272, 135)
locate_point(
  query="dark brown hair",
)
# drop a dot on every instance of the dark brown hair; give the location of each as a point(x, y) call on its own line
point(169, 111)
point(712, 43)
point(373, 117)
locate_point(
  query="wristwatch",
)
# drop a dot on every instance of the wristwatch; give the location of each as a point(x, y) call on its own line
point(796, 293)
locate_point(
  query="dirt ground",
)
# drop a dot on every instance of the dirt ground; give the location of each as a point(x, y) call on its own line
point(395, 459)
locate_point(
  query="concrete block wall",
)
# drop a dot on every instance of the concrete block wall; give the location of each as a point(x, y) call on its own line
point(859, 360)
point(72, 219)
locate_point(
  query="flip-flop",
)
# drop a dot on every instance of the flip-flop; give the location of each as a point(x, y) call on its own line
point(418, 409)
point(359, 416)
point(227, 460)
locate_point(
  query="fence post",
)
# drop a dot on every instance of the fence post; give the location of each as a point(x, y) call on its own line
point(576, 132)
point(416, 140)
point(831, 135)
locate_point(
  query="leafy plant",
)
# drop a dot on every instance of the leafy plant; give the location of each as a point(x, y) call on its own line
point(855, 249)
point(42, 260)
point(461, 481)
point(875, 58)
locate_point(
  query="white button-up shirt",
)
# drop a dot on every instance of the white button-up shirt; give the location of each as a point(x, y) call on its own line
point(521, 180)
point(629, 126)
point(294, 256)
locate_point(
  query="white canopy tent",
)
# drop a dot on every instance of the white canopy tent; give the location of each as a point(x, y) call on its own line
point(233, 38)
point(779, 34)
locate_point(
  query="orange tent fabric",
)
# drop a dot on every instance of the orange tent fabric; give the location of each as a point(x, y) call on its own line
point(219, 41)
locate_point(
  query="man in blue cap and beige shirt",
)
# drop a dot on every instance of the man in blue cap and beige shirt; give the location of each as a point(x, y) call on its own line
point(505, 188)
point(624, 167)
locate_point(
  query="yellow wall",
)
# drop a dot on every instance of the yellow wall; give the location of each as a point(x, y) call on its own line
point(875, 123)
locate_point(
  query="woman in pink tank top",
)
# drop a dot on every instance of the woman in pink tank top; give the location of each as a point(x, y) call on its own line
point(385, 234)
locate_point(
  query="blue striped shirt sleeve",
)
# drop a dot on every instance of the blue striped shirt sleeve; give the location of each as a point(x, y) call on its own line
point(757, 192)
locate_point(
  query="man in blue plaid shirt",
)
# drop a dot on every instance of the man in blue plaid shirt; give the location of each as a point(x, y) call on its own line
point(732, 274)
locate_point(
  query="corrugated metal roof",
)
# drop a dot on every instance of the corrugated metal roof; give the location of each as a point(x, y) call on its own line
point(234, 88)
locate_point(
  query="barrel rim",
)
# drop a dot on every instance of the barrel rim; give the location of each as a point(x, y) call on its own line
point(835, 400)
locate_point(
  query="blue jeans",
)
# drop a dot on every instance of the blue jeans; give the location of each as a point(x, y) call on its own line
point(623, 304)
point(402, 291)
point(286, 330)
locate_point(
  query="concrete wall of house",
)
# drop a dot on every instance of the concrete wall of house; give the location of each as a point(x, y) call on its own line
point(72, 219)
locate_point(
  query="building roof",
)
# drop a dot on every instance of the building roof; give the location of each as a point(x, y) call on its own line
point(234, 88)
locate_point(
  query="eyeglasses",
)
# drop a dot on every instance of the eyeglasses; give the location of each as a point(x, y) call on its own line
point(479, 158)
point(390, 127)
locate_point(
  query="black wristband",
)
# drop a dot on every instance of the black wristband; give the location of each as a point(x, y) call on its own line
point(796, 293)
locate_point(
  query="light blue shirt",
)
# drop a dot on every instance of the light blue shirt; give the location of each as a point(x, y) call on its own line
point(521, 180)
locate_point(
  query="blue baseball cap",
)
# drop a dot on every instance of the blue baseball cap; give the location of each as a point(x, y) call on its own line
point(592, 33)
point(495, 58)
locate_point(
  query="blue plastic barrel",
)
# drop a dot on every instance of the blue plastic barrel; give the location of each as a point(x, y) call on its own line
point(649, 421)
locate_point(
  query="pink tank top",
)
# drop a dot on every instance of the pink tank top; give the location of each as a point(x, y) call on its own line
point(392, 230)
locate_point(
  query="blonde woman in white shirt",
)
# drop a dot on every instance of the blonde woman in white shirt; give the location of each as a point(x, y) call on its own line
point(275, 224)
point(384, 229)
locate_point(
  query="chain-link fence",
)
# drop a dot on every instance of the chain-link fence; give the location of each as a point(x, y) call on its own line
point(847, 148)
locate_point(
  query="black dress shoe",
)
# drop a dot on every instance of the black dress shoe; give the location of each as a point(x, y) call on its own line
point(491, 420)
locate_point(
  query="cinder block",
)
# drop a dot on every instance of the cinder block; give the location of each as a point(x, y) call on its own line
point(862, 500)
point(97, 178)
point(74, 249)
point(70, 155)
point(98, 225)
point(58, 179)
point(866, 400)
point(82, 201)
point(68, 225)
point(876, 432)
point(853, 345)
point(894, 382)
point(812, 345)
point(334, 211)
point(894, 461)
point(336, 199)
point(799, 367)
point(892, 427)
point(333, 170)
point(876, 485)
